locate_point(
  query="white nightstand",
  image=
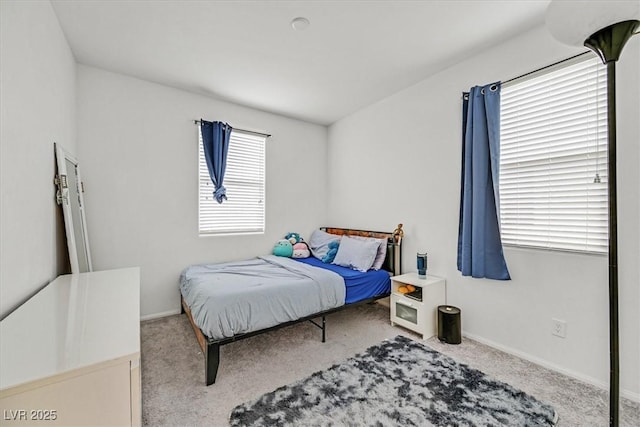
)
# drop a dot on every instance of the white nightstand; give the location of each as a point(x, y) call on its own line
point(417, 311)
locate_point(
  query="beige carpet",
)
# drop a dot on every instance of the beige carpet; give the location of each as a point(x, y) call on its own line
point(174, 394)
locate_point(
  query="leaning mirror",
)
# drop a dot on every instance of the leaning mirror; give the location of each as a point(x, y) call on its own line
point(69, 196)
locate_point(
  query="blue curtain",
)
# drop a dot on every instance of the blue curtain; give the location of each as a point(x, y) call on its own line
point(479, 244)
point(215, 140)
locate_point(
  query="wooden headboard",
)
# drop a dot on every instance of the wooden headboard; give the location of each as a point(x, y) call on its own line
point(393, 261)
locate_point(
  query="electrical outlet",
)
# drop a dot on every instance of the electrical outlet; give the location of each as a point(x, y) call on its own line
point(559, 328)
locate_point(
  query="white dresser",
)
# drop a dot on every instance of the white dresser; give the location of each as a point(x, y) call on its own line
point(70, 355)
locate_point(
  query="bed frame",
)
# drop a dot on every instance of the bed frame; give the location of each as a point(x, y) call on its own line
point(211, 347)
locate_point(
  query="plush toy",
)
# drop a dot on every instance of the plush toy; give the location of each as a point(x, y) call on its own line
point(333, 250)
point(301, 250)
point(293, 238)
point(283, 248)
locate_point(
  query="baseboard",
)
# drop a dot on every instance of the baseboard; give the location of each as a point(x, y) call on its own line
point(159, 315)
point(627, 394)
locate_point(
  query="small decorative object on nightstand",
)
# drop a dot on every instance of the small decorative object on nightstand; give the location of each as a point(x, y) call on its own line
point(422, 265)
point(414, 302)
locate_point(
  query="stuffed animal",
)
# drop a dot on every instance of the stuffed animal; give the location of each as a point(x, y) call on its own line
point(283, 248)
point(333, 250)
point(301, 250)
point(293, 238)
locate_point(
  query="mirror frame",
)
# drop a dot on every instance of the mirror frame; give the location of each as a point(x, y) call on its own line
point(62, 197)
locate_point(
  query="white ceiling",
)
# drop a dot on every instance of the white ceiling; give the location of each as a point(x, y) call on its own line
point(353, 54)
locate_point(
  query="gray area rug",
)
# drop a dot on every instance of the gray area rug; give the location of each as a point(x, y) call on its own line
point(398, 382)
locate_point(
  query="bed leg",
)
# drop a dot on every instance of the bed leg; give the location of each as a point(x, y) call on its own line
point(211, 362)
point(324, 326)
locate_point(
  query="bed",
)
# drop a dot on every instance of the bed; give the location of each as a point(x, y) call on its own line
point(226, 302)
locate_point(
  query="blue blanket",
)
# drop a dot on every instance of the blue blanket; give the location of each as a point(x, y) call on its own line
point(360, 285)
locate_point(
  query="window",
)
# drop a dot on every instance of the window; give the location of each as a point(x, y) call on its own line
point(553, 160)
point(243, 211)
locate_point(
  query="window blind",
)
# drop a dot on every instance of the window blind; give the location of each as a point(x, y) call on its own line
point(244, 209)
point(553, 161)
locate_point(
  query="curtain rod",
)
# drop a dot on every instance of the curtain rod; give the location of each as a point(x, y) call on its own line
point(267, 135)
point(545, 67)
point(513, 79)
point(554, 64)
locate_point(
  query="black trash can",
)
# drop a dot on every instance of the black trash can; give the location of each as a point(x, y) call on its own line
point(449, 324)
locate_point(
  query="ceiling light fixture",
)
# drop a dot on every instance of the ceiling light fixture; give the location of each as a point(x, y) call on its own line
point(300, 23)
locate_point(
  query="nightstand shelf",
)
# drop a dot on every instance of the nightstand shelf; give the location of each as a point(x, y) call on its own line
point(417, 311)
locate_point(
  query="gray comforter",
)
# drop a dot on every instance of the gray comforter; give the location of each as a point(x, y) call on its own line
point(244, 296)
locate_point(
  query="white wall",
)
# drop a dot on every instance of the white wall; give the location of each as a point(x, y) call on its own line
point(137, 152)
point(37, 108)
point(400, 159)
point(138, 148)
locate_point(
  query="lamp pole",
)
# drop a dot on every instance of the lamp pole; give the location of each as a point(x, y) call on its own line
point(607, 43)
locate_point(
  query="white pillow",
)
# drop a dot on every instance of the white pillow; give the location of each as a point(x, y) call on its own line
point(382, 251)
point(356, 254)
point(319, 243)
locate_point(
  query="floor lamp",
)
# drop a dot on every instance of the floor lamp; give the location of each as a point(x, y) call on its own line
point(604, 27)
